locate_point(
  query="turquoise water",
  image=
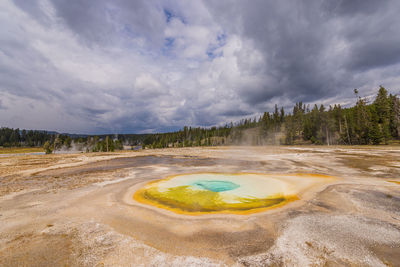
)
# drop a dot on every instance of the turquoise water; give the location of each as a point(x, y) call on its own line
point(216, 186)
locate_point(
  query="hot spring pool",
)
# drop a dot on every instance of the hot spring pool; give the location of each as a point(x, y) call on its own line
point(238, 193)
point(215, 186)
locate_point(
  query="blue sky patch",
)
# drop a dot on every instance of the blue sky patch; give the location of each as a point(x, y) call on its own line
point(169, 15)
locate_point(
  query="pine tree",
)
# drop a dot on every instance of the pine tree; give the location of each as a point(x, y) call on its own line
point(394, 116)
point(382, 109)
point(47, 147)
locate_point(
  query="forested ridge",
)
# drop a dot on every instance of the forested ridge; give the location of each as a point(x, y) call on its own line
point(365, 123)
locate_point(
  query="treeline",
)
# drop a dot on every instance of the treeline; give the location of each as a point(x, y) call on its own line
point(52, 142)
point(376, 122)
point(365, 123)
point(88, 144)
point(14, 137)
point(188, 137)
point(96, 143)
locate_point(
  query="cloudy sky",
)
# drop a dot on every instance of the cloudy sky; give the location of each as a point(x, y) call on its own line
point(128, 66)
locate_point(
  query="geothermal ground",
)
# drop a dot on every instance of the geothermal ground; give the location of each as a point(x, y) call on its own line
point(79, 209)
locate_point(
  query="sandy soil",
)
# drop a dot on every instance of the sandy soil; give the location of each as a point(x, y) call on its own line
point(75, 210)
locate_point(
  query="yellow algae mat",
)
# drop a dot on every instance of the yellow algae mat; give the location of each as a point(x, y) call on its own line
point(235, 193)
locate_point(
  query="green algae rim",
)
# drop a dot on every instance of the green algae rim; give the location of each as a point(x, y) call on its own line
point(188, 200)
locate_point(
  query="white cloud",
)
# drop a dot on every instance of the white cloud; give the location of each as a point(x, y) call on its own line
point(121, 66)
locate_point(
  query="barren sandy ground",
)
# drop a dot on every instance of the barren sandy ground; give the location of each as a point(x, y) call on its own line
point(75, 210)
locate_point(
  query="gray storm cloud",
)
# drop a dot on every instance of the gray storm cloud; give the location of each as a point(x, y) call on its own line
point(149, 66)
